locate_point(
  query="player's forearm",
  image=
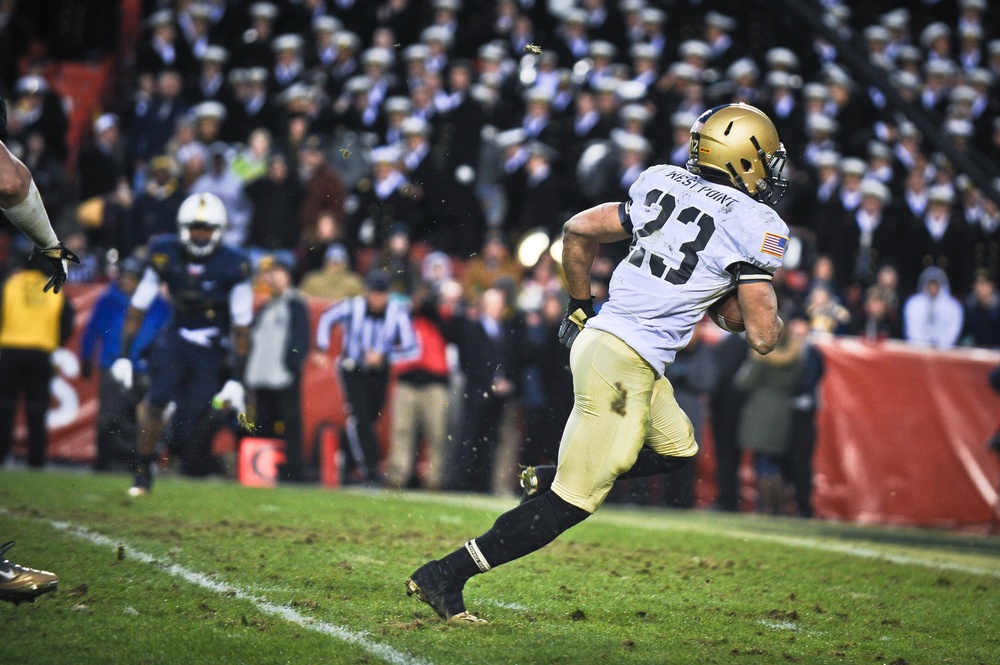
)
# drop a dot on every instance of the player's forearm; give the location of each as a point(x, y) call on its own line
point(582, 235)
point(759, 305)
point(577, 259)
point(30, 217)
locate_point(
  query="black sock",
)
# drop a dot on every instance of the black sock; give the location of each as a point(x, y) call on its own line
point(651, 463)
point(520, 531)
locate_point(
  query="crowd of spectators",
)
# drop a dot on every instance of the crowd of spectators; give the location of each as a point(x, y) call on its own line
point(430, 139)
point(322, 123)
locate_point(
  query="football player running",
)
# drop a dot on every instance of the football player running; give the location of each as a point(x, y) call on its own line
point(212, 298)
point(696, 235)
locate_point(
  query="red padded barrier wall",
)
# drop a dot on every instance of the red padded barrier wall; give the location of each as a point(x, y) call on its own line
point(902, 431)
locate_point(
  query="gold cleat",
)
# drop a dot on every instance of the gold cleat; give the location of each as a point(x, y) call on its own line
point(465, 617)
point(432, 584)
point(19, 583)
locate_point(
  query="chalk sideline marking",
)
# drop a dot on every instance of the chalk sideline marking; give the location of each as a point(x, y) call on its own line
point(359, 639)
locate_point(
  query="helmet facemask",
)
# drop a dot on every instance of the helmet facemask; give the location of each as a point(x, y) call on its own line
point(199, 248)
point(201, 211)
point(725, 146)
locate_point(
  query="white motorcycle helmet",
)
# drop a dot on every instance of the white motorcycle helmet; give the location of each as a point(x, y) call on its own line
point(201, 210)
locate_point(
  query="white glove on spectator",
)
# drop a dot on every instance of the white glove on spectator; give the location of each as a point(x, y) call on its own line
point(232, 393)
point(121, 370)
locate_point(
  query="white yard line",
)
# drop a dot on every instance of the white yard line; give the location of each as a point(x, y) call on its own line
point(652, 523)
point(359, 639)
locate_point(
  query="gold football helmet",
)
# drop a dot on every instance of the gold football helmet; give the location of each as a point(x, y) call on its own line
point(738, 143)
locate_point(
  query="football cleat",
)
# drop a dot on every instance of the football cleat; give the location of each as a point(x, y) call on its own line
point(142, 482)
point(536, 480)
point(20, 583)
point(433, 585)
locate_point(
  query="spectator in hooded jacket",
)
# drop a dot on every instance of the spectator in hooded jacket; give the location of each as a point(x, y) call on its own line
point(932, 315)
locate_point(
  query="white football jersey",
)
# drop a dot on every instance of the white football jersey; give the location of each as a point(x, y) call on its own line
point(686, 231)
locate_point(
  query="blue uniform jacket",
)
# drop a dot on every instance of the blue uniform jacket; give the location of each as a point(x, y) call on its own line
point(108, 319)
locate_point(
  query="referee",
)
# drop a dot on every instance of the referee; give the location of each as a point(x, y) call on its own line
point(376, 330)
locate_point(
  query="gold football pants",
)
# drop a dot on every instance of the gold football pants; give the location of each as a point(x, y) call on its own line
point(620, 406)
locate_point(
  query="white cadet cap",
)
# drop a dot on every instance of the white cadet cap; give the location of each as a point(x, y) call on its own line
point(683, 120)
point(818, 122)
point(853, 166)
point(721, 21)
point(827, 159)
point(209, 109)
point(398, 104)
point(694, 48)
point(941, 194)
point(326, 23)
point(877, 33)
point(814, 91)
point(215, 53)
point(627, 142)
point(288, 42)
point(780, 57)
point(414, 127)
point(896, 20)
point(385, 154)
point(742, 67)
point(642, 51)
point(635, 113)
point(105, 122)
point(377, 56)
point(653, 16)
point(357, 85)
point(256, 75)
point(933, 32)
point(32, 84)
point(600, 48)
point(437, 33)
point(873, 187)
point(510, 138)
point(264, 10)
point(879, 150)
point(416, 51)
point(162, 17)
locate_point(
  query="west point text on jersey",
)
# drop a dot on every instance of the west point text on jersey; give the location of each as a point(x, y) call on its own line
point(706, 189)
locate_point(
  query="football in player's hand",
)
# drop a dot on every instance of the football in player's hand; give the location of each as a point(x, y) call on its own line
point(726, 313)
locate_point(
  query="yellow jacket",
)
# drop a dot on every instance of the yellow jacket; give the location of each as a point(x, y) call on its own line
point(31, 318)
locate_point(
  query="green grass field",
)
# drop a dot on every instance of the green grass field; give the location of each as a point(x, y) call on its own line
point(212, 572)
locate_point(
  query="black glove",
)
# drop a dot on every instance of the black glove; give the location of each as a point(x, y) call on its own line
point(576, 316)
point(58, 258)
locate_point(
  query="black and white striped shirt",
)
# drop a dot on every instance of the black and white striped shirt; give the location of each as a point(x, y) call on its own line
point(390, 333)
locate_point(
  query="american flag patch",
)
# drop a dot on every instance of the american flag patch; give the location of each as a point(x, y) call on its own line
point(774, 244)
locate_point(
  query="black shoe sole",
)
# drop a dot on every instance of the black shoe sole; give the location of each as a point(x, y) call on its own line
point(18, 597)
